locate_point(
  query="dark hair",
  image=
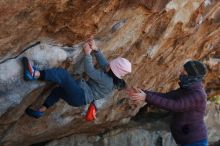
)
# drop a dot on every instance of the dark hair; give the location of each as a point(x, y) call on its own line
point(119, 83)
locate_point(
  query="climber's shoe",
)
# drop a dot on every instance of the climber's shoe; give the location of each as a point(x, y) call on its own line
point(29, 70)
point(91, 112)
point(34, 113)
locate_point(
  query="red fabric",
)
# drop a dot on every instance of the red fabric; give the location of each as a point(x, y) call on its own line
point(89, 114)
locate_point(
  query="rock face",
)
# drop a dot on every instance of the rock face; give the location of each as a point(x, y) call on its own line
point(146, 129)
point(120, 137)
point(157, 36)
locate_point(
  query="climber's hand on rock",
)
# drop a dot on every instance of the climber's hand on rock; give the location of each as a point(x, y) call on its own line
point(87, 49)
point(92, 43)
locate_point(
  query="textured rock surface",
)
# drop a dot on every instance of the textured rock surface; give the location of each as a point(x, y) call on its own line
point(147, 129)
point(120, 137)
point(157, 36)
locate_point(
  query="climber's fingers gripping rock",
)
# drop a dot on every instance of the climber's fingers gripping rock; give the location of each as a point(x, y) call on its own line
point(87, 49)
point(92, 43)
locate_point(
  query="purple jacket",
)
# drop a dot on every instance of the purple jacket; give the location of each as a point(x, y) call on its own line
point(188, 109)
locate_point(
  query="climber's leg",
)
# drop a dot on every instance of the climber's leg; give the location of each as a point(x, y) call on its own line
point(74, 93)
point(59, 92)
point(54, 97)
point(59, 76)
point(51, 100)
point(69, 89)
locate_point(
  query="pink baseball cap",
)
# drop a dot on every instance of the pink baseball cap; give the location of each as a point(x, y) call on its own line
point(120, 67)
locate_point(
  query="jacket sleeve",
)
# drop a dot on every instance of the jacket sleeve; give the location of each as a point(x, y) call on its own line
point(90, 70)
point(181, 104)
point(101, 60)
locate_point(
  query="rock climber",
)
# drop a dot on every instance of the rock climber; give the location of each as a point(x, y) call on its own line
point(101, 83)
